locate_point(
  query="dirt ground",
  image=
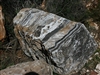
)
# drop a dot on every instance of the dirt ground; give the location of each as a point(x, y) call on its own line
point(9, 56)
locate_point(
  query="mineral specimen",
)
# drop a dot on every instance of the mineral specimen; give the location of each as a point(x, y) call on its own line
point(63, 43)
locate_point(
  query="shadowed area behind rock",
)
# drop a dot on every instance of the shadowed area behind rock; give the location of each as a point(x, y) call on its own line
point(31, 73)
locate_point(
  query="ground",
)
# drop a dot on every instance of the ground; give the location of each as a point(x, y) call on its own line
point(9, 56)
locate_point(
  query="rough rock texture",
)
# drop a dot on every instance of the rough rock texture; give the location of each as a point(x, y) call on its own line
point(39, 66)
point(61, 42)
point(2, 28)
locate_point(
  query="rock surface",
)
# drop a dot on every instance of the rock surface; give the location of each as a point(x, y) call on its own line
point(61, 42)
point(39, 66)
point(2, 28)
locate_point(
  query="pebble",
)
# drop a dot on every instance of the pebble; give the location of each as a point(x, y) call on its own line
point(98, 69)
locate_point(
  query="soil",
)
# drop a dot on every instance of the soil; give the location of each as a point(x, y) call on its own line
point(9, 56)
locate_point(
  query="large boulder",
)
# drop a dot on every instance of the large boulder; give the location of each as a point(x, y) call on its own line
point(63, 43)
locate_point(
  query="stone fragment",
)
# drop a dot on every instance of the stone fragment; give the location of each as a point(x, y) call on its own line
point(61, 42)
point(40, 67)
point(2, 28)
point(98, 69)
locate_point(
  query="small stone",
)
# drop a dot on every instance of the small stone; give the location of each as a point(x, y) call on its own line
point(98, 69)
point(90, 58)
point(87, 70)
point(97, 53)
